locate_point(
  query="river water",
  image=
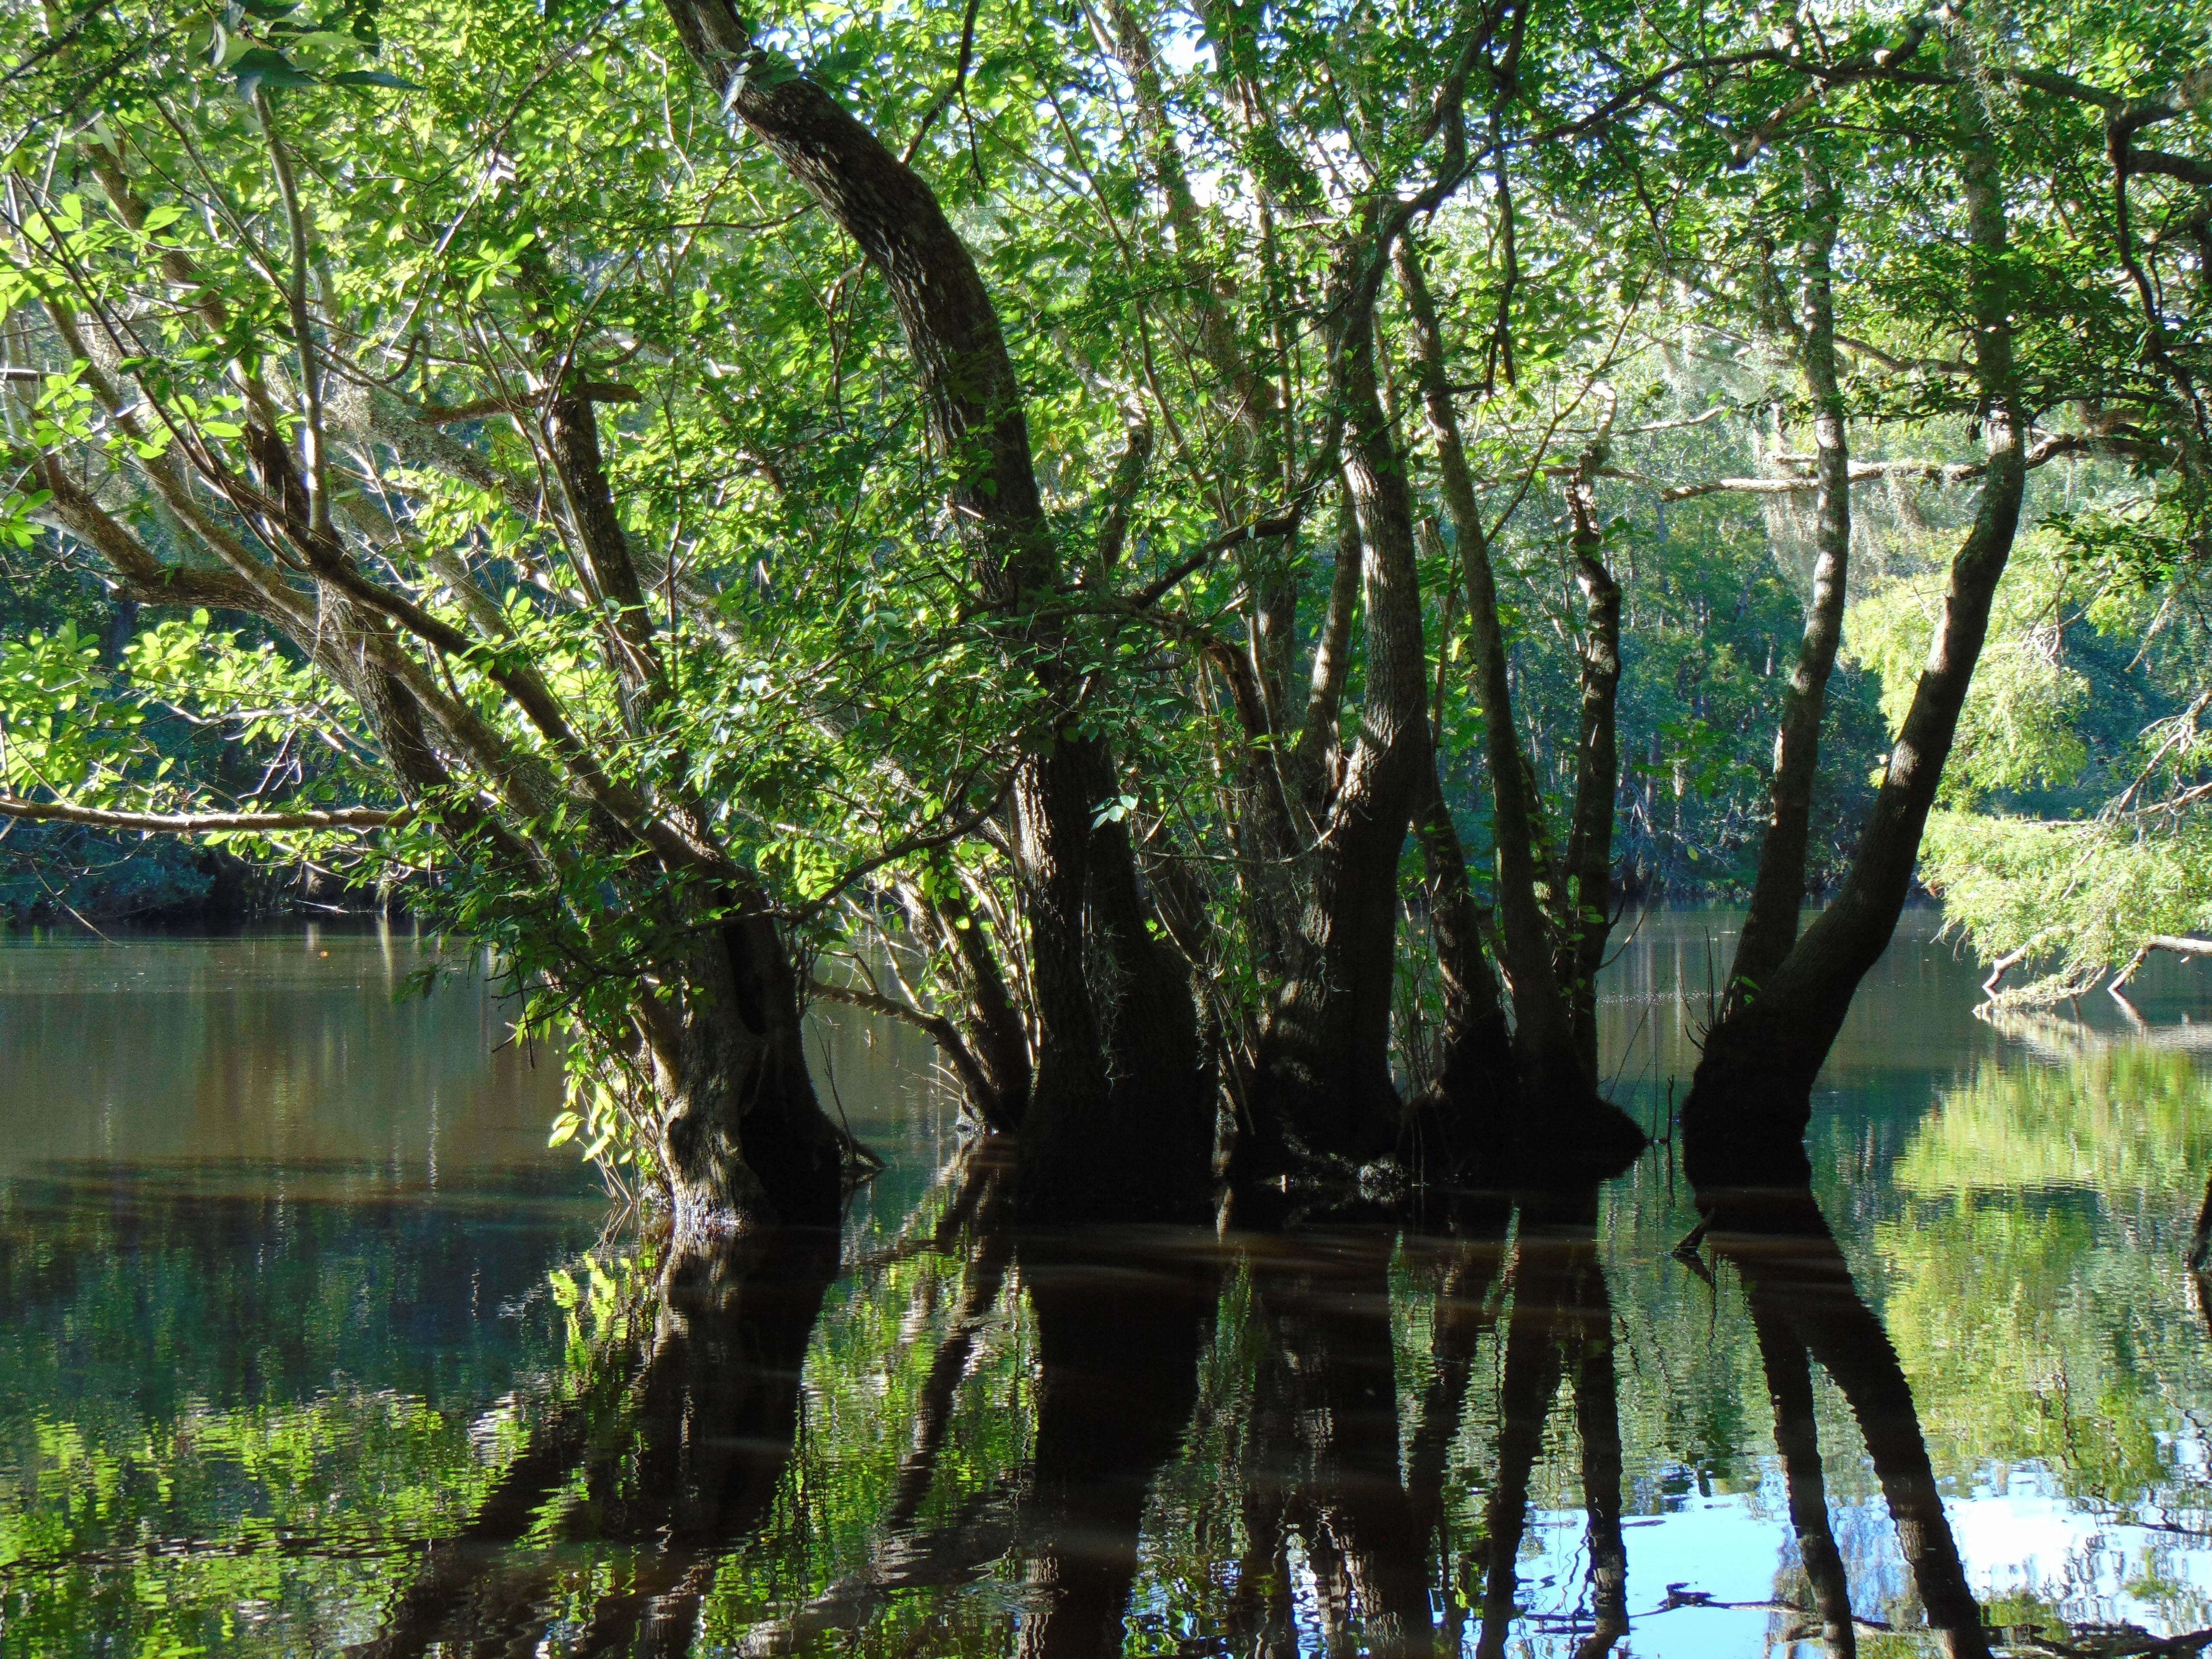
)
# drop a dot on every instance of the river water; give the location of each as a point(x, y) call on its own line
point(308, 1343)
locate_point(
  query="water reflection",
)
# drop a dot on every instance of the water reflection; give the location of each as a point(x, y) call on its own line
point(1806, 1310)
point(671, 1446)
point(1119, 1326)
point(1320, 1463)
point(1561, 1326)
point(298, 1399)
point(682, 1421)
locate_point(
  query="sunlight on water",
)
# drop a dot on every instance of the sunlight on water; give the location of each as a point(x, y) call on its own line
point(308, 1343)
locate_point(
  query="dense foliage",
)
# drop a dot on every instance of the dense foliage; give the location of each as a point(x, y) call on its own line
point(1077, 530)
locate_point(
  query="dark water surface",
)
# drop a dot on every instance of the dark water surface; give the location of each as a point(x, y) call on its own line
point(308, 1344)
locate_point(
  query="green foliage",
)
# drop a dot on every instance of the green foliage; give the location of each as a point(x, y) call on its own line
point(284, 280)
point(2020, 729)
point(2071, 832)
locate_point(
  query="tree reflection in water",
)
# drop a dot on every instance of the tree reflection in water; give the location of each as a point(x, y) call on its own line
point(676, 1445)
point(1561, 1327)
point(1806, 1310)
point(1331, 1509)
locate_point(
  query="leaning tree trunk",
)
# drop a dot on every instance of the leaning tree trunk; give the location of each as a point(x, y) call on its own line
point(1325, 1059)
point(1750, 1099)
point(1770, 928)
point(1115, 1118)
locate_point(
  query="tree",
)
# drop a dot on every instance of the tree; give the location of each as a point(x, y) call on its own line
point(1018, 526)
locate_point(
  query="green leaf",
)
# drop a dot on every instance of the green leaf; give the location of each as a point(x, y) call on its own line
point(375, 78)
point(262, 70)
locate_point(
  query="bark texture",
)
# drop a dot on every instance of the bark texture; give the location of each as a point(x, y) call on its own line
point(1471, 1112)
point(1586, 921)
point(742, 1134)
point(1770, 927)
point(1543, 1032)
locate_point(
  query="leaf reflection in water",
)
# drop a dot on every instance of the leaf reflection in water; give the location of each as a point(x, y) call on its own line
point(315, 1406)
point(626, 1523)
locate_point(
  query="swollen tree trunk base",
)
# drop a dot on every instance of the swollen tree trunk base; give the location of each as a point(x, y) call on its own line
point(1750, 1101)
point(1137, 1147)
point(1127, 1133)
point(1570, 1134)
point(1744, 1122)
point(743, 1141)
point(1313, 1109)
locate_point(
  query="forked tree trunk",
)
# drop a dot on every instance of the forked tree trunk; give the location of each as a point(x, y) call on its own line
point(1268, 832)
point(1750, 1099)
point(1543, 1035)
point(1325, 1059)
point(996, 1041)
point(1116, 1117)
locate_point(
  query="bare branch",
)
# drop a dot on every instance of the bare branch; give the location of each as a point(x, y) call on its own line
point(201, 823)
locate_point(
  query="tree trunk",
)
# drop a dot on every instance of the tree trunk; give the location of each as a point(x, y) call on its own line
point(1325, 1059)
point(1750, 1099)
point(1115, 1107)
point(1470, 1112)
point(1269, 837)
point(1584, 929)
point(991, 1054)
point(1777, 896)
point(743, 1138)
point(1543, 1035)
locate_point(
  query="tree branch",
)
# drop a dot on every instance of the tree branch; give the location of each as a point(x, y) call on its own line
point(201, 823)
